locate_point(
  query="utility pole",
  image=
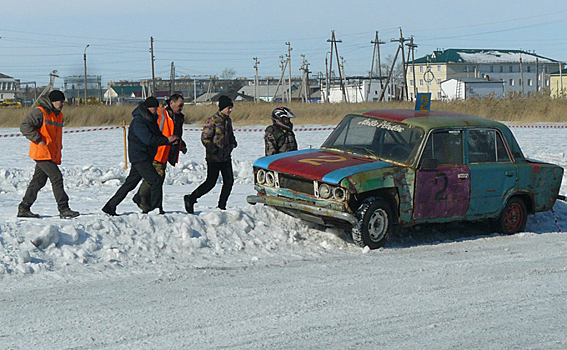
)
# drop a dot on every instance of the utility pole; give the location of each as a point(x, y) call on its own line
point(536, 75)
point(343, 78)
point(375, 58)
point(289, 67)
point(327, 81)
point(85, 59)
point(256, 82)
point(411, 48)
point(401, 40)
point(283, 67)
point(172, 79)
point(153, 70)
point(305, 91)
point(334, 42)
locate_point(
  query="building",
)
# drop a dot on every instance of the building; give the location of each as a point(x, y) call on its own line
point(558, 83)
point(8, 87)
point(520, 71)
point(356, 92)
point(465, 88)
point(74, 88)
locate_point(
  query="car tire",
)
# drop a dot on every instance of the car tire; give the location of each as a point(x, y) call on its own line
point(513, 217)
point(374, 223)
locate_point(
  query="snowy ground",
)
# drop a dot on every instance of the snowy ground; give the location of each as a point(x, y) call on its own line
point(252, 278)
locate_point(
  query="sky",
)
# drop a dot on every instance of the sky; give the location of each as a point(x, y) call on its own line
point(207, 38)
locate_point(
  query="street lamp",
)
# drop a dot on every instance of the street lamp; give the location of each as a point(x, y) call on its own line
point(85, 59)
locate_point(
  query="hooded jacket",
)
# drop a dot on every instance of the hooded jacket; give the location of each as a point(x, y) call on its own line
point(144, 136)
point(218, 138)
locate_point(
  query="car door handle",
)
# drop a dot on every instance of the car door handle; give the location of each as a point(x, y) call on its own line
point(463, 176)
point(509, 173)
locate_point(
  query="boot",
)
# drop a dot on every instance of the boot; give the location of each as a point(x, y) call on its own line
point(189, 203)
point(26, 213)
point(141, 204)
point(108, 210)
point(68, 214)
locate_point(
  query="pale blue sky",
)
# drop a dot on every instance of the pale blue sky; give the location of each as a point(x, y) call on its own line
point(205, 37)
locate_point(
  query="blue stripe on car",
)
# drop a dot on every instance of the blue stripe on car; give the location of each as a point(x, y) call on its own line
point(334, 177)
point(264, 162)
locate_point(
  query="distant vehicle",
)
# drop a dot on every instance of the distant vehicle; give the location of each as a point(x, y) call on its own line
point(384, 168)
point(10, 103)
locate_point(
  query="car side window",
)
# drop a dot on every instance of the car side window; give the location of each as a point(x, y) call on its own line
point(445, 146)
point(486, 146)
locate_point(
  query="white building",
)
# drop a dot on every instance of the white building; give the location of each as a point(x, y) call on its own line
point(355, 92)
point(8, 87)
point(465, 88)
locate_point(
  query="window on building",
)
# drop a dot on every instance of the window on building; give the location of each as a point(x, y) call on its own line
point(530, 82)
point(439, 95)
point(411, 82)
point(421, 69)
point(510, 69)
point(501, 69)
point(466, 68)
point(438, 81)
point(420, 82)
point(528, 69)
point(511, 82)
point(491, 69)
point(439, 68)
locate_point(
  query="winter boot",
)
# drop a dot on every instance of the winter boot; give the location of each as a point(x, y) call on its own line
point(68, 214)
point(26, 213)
point(189, 203)
point(110, 211)
point(141, 204)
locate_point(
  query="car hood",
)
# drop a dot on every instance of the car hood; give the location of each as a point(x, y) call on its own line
point(321, 165)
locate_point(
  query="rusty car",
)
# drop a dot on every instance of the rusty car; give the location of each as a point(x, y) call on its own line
point(381, 170)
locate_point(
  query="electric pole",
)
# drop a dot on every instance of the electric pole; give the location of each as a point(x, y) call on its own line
point(289, 66)
point(172, 80)
point(334, 42)
point(411, 48)
point(85, 59)
point(256, 82)
point(153, 70)
point(375, 58)
point(401, 40)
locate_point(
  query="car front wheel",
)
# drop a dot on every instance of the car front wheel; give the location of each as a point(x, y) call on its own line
point(374, 223)
point(513, 217)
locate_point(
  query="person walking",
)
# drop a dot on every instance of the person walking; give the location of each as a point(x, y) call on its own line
point(219, 141)
point(44, 128)
point(170, 121)
point(144, 138)
point(279, 136)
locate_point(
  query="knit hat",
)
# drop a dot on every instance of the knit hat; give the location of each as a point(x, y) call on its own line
point(56, 95)
point(225, 101)
point(151, 102)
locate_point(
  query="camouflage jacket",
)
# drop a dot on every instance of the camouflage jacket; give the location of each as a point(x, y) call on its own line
point(279, 140)
point(218, 138)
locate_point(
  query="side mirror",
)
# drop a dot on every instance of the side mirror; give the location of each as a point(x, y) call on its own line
point(429, 163)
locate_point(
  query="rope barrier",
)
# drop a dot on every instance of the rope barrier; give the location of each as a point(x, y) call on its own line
point(299, 129)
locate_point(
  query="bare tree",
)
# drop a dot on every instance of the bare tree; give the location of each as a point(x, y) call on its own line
point(228, 73)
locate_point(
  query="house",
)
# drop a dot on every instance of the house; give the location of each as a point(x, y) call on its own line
point(356, 92)
point(8, 87)
point(116, 94)
point(558, 83)
point(520, 71)
point(465, 88)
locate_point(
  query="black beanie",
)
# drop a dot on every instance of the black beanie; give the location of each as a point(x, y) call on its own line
point(151, 102)
point(225, 101)
point(56, 95)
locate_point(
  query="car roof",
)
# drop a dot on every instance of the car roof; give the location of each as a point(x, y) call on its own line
point(431, 119)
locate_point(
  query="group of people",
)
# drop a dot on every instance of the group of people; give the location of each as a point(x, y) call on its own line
point(154, 140)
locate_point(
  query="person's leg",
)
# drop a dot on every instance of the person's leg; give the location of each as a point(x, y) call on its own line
point(143, 197)
point(131, 182)
point(213, 169)
point(38, 181)
point(149, 173)
point(56, 178)
point(227, 182)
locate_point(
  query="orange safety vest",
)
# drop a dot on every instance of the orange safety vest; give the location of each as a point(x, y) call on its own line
point(166, 126)
point(52, 134)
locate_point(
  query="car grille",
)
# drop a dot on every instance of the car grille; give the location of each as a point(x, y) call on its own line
point(296, 184)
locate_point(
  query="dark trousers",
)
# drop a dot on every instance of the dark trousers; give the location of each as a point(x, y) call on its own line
point(213, 169)
point(143, 196)
point(46, 169)
point(142, 170)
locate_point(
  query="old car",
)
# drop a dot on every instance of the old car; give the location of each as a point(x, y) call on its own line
point(385, 169)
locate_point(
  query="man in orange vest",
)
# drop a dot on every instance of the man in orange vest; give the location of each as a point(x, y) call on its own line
point(44, 128)
point(170, 121)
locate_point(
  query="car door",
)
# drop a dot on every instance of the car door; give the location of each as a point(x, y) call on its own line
point(442, 190)
point(493, 173)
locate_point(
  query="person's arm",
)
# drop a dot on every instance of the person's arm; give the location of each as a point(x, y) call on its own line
point(207, 135)
point(31, 124)
point(143, 132)
point(270, 143)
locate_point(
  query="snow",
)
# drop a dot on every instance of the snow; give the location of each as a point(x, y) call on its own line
point(253, 278)
point(495, 56)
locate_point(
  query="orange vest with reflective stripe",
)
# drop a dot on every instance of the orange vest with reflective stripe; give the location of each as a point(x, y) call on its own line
point(52, 134)
point(166, 126)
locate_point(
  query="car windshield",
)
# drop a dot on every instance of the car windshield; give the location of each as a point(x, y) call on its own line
point(374, 137)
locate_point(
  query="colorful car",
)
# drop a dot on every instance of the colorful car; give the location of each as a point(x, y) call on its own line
point(381, 169)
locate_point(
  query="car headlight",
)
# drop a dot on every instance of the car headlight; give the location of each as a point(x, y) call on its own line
point(270, 179)
point(261, 176)
point(325, 191)
point(339, 194)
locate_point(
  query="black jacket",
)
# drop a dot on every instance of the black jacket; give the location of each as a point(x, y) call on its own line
point(144, 136)
point(178, 121)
